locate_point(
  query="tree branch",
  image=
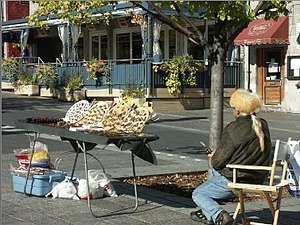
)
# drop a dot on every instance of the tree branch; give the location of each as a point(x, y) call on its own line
point(201, 38)
point(166, 20)
point(258, 11)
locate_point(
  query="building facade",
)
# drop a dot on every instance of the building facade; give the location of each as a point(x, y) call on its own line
point(12, 10)
point(271, 52)
point(268, 51)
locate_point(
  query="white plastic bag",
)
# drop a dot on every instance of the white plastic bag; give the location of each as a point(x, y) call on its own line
point(295, 158)
point(65, 189)
point(96, 191)
point(103, 179)
point(293, 183)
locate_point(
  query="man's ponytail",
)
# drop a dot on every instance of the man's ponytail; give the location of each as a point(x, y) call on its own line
point(256, 125)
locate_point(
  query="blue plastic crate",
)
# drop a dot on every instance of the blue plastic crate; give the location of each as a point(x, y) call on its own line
point(38, 185)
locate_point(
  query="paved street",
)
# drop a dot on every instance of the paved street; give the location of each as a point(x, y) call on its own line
point(177, 151)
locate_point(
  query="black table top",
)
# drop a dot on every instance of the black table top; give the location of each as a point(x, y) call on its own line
point(135, 143)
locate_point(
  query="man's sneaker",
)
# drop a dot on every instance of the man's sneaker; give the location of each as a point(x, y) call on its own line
point(224, 219)
point(198, 216)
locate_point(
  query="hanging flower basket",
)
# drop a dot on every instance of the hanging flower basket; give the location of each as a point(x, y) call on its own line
point(95, 68)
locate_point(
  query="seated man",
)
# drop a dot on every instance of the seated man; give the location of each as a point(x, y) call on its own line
point(243, 141)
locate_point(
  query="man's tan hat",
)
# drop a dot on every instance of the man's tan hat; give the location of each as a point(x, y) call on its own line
point(245, 101)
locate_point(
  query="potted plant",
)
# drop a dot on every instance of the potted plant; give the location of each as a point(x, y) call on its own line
point(77, 87)
point(73, 89)
point(135, 94)
point(95, 68)
point(10, 69)
point(180, 73)
point(49, 77)
point(27, 84)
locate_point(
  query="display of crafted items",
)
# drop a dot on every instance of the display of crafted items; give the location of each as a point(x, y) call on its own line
point(115, 117)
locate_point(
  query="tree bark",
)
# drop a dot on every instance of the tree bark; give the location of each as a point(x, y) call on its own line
point(216, 100)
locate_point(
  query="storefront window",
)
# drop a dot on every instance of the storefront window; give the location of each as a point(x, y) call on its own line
point(136, 46)
point(172, 43)
point(95, 47)
point(162, 43)
point(195, 50)
point(104, 47)
point(123, 46)
point(80, 49)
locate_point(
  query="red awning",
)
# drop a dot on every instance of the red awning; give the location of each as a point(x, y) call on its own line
point(263, 31)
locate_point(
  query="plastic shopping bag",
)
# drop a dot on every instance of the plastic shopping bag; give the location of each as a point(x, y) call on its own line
point(295, 158)
point(40, 156)
point(65, 189)
point(96, 191)
point(103, 180)
point(294, 187)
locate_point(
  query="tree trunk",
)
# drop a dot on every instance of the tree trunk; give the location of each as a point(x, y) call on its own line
point(216, 100)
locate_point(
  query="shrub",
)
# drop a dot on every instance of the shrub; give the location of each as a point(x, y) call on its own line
point(47, 75)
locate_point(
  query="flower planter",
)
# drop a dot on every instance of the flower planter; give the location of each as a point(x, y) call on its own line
point(28, 90)
point(65, 95)
point(79, 95)
point(50, 92)
point(137, 101)
point(68, 95)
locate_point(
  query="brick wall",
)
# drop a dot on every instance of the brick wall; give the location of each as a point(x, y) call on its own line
point(17, 9)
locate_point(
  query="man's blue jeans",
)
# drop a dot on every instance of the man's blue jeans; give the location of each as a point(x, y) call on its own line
point(214, 188)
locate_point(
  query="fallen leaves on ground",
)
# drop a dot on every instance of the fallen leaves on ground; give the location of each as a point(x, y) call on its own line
point(184, 184)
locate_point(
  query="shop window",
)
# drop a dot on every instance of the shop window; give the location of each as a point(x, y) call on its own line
point(123, 46)
point(103, 52)
point(80, 49)
point(95, 47)
point(195, 50)
point(172, 43)
point(293, 71)
point(136, 46)
point(162, 43)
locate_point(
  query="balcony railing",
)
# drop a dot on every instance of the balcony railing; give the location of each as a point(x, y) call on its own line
point(126, 72)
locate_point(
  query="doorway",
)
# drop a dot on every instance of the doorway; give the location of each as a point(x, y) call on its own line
point(48, 49)
point(270, 74)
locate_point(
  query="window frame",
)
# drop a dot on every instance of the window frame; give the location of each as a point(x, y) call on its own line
point(289, 70)
point(99, 35)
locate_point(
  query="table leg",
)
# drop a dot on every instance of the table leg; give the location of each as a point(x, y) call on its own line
point(134, 183)
point(36, 135)
point(74, 165)
point(82, 147)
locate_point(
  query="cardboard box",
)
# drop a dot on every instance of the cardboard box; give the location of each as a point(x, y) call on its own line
point(38, 185)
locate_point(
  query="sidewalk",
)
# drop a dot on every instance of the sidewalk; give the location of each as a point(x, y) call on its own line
point(155, 207)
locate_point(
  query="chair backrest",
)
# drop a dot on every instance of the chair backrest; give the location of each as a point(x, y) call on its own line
point(281, 157)
point(282, 150)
